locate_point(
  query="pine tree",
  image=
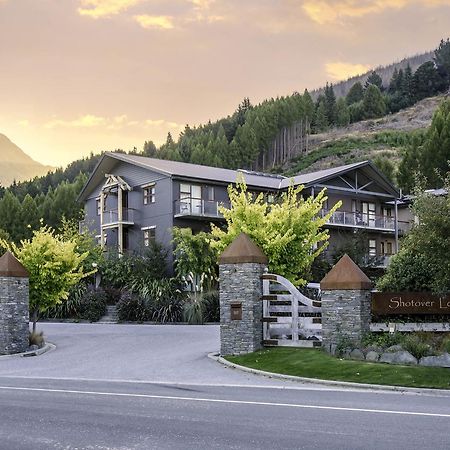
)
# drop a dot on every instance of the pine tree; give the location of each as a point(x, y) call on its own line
point(30, 217)
point(320, 119)
point(10, 213)
point(150, 149)
point(343, 113)
point(330, 104)
point(442, 61)
point(375, 80)
point(374, 105)
point(427, 81)
point(355, 94)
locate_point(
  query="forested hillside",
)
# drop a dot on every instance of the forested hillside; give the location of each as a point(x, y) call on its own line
point(375, 119)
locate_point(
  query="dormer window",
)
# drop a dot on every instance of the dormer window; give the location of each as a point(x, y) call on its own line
point(149, 194)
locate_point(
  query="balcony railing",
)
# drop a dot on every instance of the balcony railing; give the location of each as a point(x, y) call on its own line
point(359, 220)
point(195, 207)
point(111, 217)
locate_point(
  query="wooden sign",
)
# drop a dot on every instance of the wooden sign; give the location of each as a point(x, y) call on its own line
point(388, 303)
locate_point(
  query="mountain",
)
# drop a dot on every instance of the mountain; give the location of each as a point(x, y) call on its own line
point(16, 165)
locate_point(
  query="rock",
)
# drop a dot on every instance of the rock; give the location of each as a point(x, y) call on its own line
point(372, 356)
point(436, 361)
point(374, 348)
point(394, 348)
point(401, 357)
point(357, 354)
point(33, 348)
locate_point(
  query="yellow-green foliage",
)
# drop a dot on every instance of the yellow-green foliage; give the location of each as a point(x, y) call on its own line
point(290, 232)
point(53, 264)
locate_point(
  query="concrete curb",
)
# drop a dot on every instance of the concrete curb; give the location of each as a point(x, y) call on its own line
point(363, 386)
point(40, 351)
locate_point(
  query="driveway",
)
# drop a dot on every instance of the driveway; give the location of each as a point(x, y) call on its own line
point(152, 353)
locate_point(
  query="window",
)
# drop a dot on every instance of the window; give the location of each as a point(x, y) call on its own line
point(270, 199)
point(389, 248)
point(149, 235)
point(99, 206)
point(372, 247)
point(368, 210)
point(209, 193)
point(382, 248)
point(149, 194)
point(190, 199)
point(98, 237)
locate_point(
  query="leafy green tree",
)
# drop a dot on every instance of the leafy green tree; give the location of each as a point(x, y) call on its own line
point(290, 232)
point(422, 262)
point(4, 237)
point(342, 113)
point(386, 166)
point(355, 94)
point(373, 103)
point(442, 60)
point(53, 266)
point(195, 258)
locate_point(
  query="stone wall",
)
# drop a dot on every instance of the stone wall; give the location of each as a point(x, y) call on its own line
point(240, 284)
point(345, 317)
point(14, 315)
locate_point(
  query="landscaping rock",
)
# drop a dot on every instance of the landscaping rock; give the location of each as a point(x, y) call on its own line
point(401, 357)
point(372, 356)
point(436, 361)
point(394, 348)
point(357, 354)
point(374, 348)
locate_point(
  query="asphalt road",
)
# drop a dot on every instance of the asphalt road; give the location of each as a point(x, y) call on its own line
point(59, 408)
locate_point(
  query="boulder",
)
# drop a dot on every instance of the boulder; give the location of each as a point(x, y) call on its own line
point(402, 357)
point(357, 354)
point(436, 361)
point(374, 348)
point(394, 348)
point(372, 356)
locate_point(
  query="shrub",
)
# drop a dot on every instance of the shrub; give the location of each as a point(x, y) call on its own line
point(132, 308)
point(93, 305)
point(414, 345)
point(36, 338)
point(383, 340)
point(69, 308)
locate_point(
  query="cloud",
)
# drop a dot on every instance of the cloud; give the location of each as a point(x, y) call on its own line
point(105, 8)
point(330, 11)
point(155, 22)
point(115, 123)
point(341, 70)
point(87, 121)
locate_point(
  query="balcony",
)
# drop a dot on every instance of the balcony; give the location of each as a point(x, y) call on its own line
point(111, 217)
point(359, 220)
point(198, 208)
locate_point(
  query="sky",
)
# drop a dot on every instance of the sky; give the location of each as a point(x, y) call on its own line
point(81, 76)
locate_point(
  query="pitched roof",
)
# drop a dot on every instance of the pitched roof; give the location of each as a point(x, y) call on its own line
point(243, 250)
point(10, 266)
point(253, 179)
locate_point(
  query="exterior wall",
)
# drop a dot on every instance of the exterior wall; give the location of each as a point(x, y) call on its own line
point(14, 315)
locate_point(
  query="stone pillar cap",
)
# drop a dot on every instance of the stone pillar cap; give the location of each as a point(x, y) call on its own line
point(345, 274)
point(242, 250)
point(10, 266)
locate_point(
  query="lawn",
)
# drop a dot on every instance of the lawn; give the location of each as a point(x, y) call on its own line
point(313, 363)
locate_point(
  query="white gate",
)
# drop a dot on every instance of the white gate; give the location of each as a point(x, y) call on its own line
point(289, 318)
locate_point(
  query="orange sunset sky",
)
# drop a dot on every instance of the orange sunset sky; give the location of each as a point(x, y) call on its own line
point(88, 75)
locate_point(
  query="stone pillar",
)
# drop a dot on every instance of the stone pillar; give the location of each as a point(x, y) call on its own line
point(241, 266)
point(14, 303)
point(346, 304)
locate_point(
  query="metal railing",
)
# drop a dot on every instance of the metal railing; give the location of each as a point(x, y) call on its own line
point(111, 216)
point(357, 219)
point(198, 207)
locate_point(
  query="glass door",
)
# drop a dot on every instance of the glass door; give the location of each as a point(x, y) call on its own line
point(368, 210)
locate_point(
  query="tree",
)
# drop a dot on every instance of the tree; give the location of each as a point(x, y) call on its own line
point(355, 94)
point(53, 266)
point(427, 81)
point(342, 113)
point(30, 217)
point(330, 104)
point(320, 119)
point(290, 232)
point(150, 149)
point(436, 150)
point(422, 262)
point(374, 80)
point(373, 103)
point(386, 166)
point(442, 61)
point(10, 212)
point(4, 237)
point(195, 258)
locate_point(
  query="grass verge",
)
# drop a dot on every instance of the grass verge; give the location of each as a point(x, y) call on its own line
point(312, 363)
